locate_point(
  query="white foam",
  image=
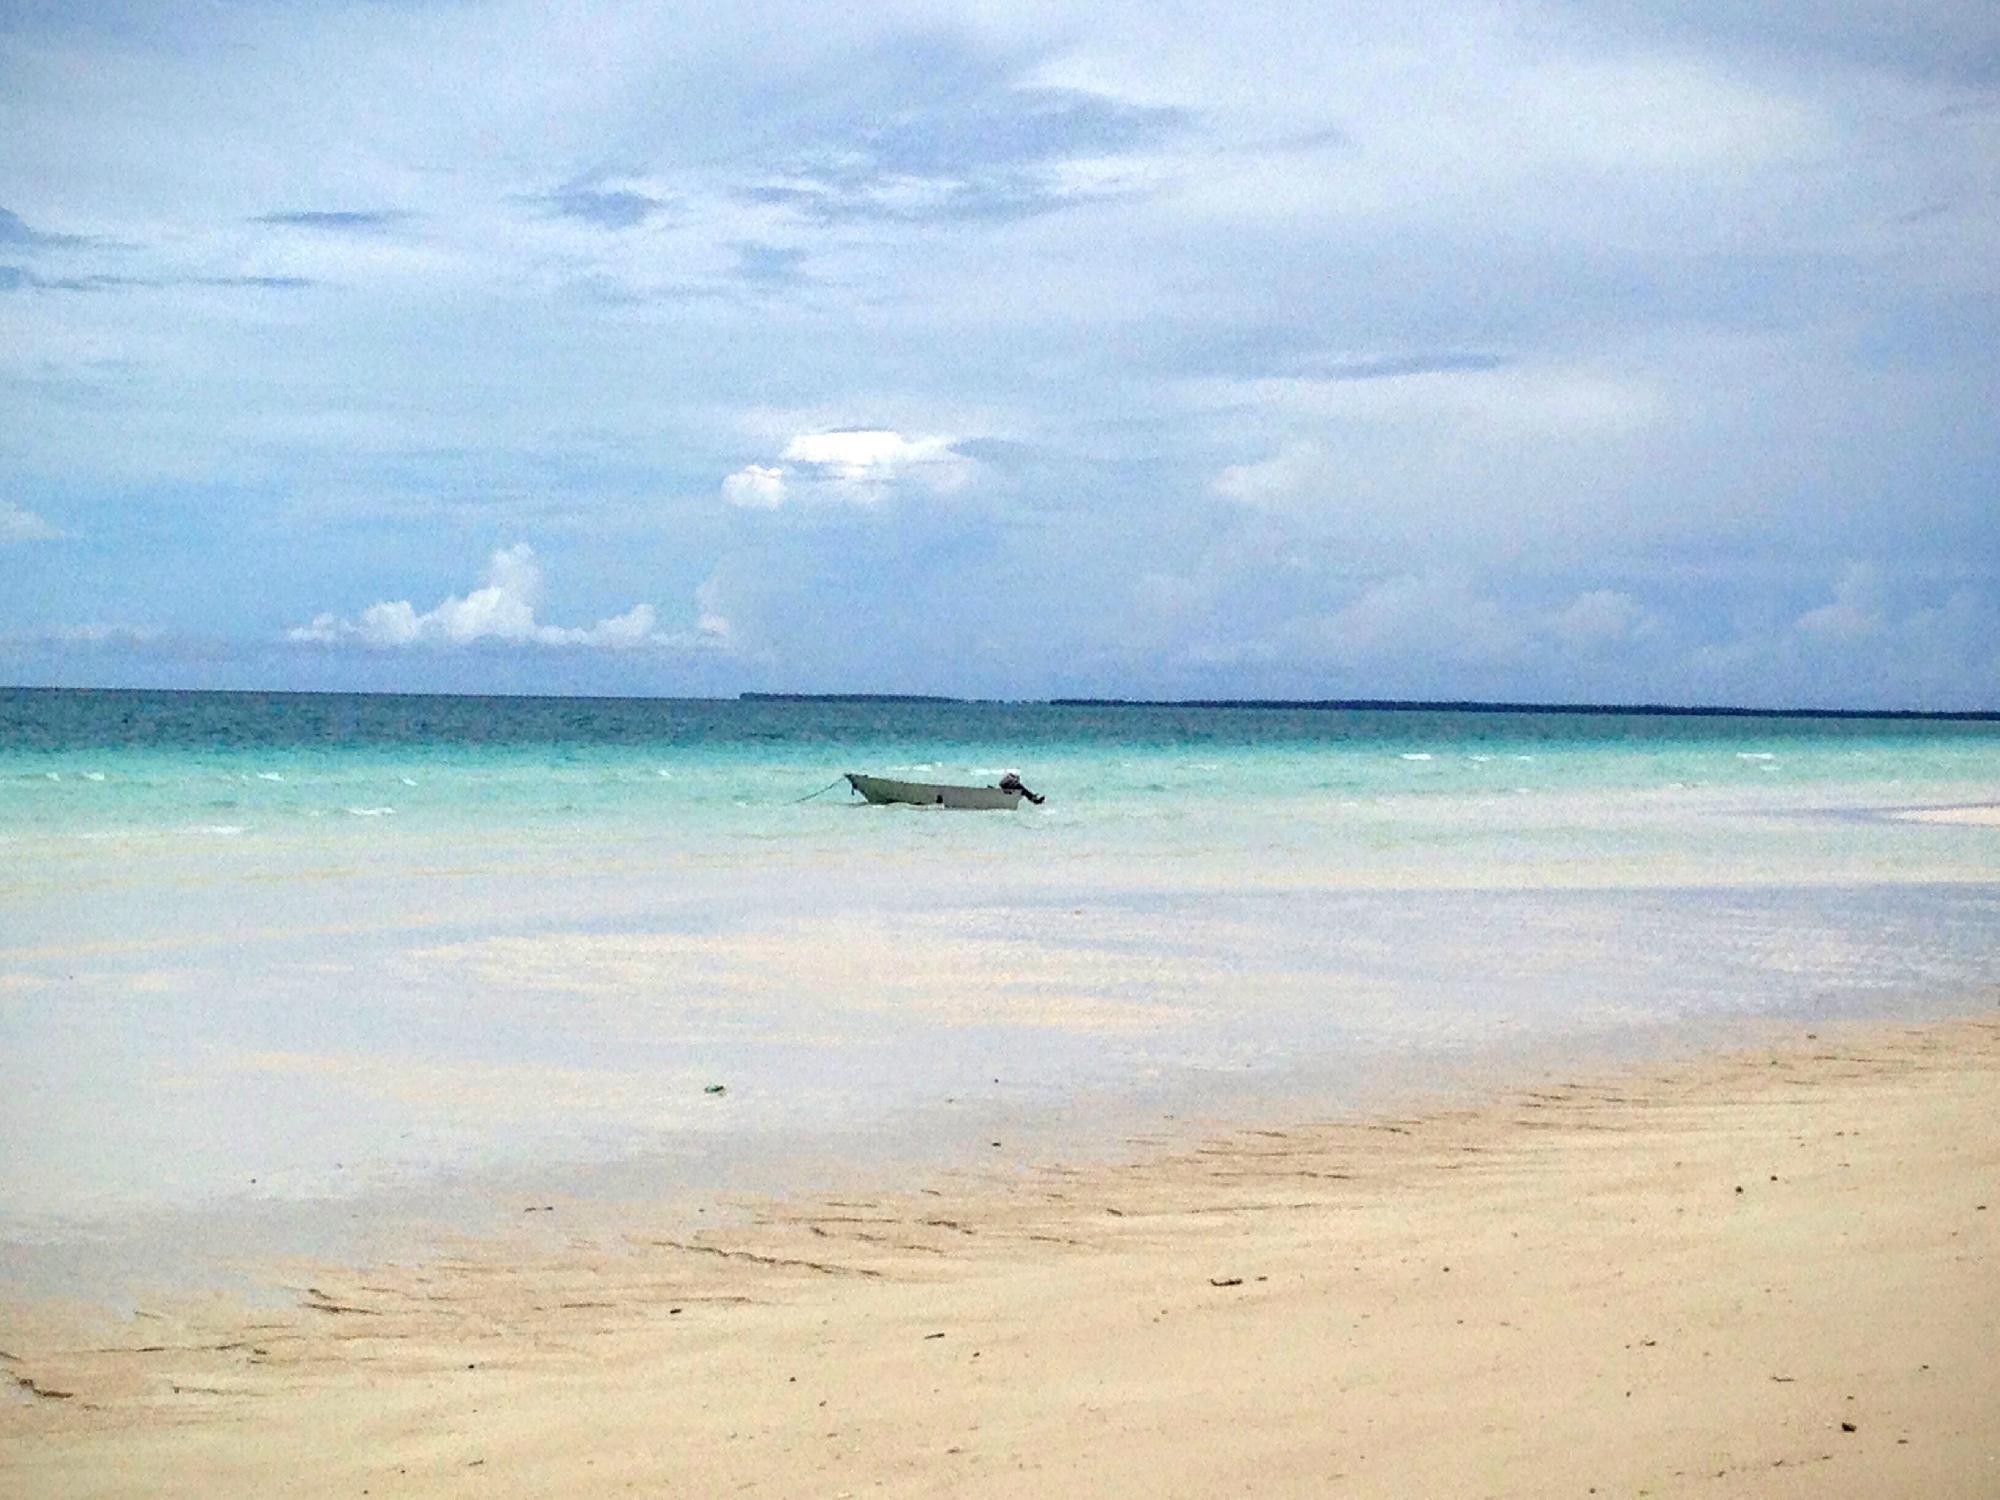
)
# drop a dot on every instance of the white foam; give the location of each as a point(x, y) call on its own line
point(1482, 759)
point(269, 776)
point(662, 772)
point(218, 830)
point(93, 775)
point(1755, 755)
point(407, 780)
point(1416, 755)
point(371, 812)
point(53, 775)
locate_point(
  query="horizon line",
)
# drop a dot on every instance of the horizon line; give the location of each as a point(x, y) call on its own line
point(1353, 705)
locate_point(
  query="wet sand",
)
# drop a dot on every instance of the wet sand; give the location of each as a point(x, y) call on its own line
point(1974, 815)
point(1775, 1272)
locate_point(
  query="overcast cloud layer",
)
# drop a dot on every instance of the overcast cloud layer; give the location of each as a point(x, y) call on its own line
point(1494, 351)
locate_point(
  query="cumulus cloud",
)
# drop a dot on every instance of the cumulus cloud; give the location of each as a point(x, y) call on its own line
point(1856, 610)
point(1438, 615)
point(1873, 643)
point(1601, 618)
point(712, 625)
point(1428, 633)
point(18, 524)
point(1277, 483)
point(94, 633)
point(501, 611)
point(755, 487)
point(870, 456)
point(855, 466)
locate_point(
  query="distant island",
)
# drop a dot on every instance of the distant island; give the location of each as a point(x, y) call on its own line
point(1404, 705)
point(845, 698)
point(1393, 705)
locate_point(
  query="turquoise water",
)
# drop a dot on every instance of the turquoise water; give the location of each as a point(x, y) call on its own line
point(269, 963)
point(108, 762)
point(724, 779)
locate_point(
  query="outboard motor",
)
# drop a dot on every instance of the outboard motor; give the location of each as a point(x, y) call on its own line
point(1011, 782)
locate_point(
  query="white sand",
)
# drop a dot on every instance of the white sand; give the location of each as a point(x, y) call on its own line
point(1983, 815)
point(1691, 1279)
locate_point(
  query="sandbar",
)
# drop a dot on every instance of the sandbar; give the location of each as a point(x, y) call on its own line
point(1977, 815)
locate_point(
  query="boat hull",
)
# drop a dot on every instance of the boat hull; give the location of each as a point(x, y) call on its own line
point(883, 789)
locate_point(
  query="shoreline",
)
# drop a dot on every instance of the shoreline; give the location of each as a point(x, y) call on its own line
point(1676, 1275)
point(1969, 815)
point(105, 1268)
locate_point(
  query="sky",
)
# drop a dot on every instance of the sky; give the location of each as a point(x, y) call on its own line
point(1586, 350)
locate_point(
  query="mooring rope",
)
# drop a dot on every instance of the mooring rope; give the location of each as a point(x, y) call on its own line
point(821, 792)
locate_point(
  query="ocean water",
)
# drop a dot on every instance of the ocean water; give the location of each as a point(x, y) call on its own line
point(275, 966)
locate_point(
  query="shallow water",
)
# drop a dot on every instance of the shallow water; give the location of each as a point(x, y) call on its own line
point(271, 964)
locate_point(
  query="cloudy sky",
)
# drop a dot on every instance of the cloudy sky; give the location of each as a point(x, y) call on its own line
point(1554, 351)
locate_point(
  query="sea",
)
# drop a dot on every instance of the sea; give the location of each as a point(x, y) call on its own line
point(318, 974)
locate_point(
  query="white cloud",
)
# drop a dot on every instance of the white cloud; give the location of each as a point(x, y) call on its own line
point(1601, 618)
point(1512, 402)
point(96, 633)
point(855, 466)
point(1293, 473)
point(858, 456)
point(755, 487)
point(1436, 615)
point(711, 624)
point(1870, 645)
point(18, 524)
point(1856, 610)
point(1439, 632)
point(503, 610)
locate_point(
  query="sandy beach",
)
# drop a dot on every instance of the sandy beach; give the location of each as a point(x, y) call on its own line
point(1978, 815)
point(1771, 1272)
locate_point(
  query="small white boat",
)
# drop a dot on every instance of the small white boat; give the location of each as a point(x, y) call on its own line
point(932, 794)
